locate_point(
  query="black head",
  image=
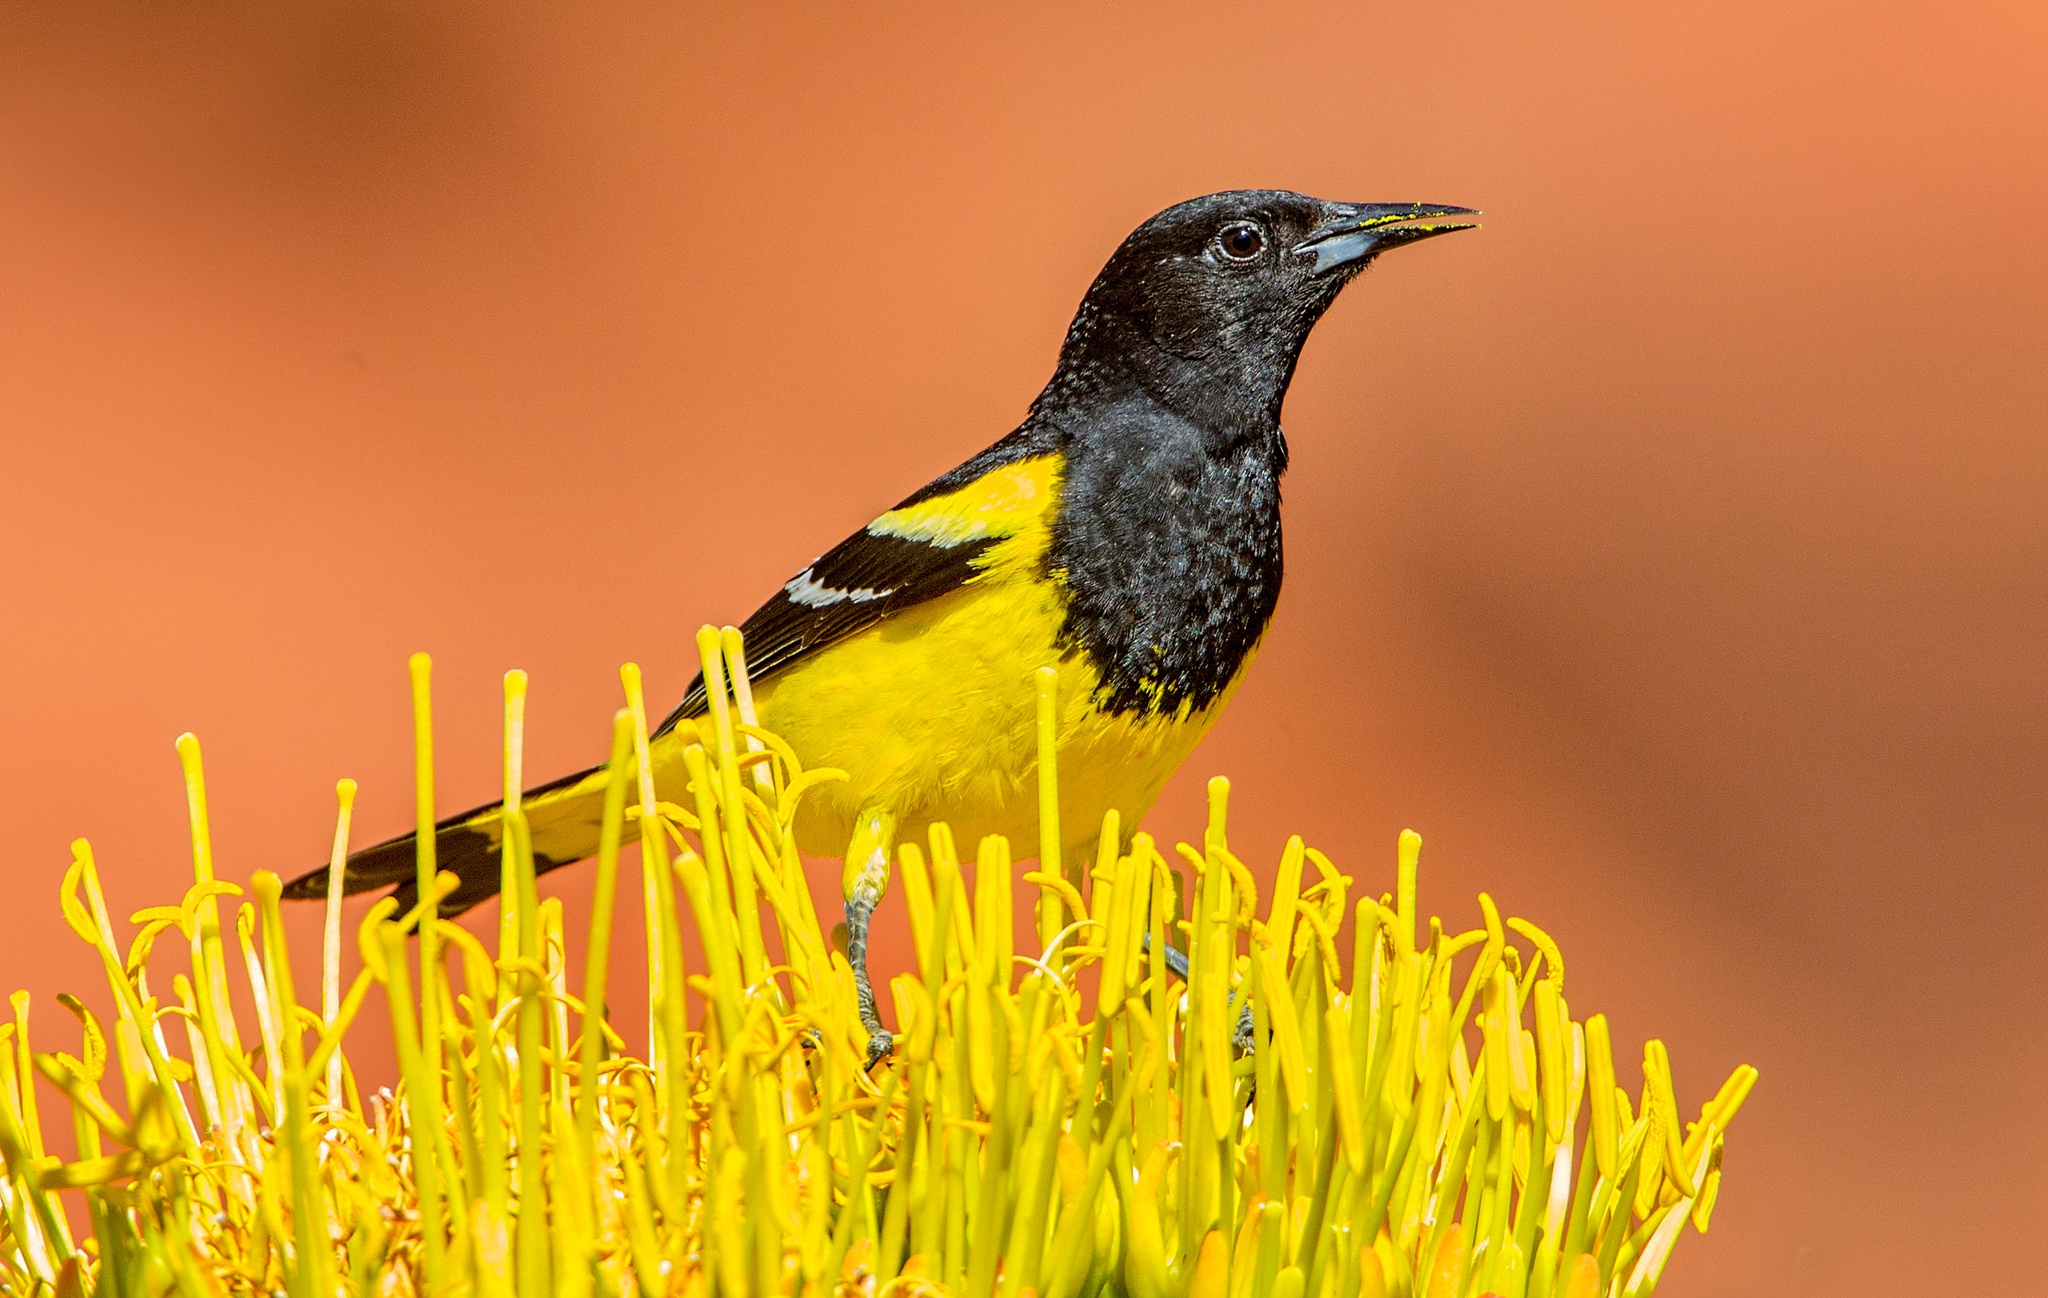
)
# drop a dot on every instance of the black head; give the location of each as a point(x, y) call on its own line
point(1207, 304)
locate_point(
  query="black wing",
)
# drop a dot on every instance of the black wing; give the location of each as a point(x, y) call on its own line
point(859, 582)
point(867, 577)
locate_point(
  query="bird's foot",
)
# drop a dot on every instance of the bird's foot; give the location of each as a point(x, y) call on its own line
point(881, 1044)
point(1243, 1038)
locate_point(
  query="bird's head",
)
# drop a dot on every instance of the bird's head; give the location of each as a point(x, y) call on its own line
point(1211, 300)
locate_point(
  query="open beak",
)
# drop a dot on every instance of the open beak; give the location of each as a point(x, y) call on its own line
point(1355, 232)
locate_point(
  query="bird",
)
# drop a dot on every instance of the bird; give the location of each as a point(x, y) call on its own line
point(1127, 532)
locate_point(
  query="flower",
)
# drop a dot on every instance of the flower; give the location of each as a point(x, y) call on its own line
point(1423, 1118)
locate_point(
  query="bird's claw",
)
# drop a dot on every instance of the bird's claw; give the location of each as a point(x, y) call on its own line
point(881, 1043)
point(1244, 1038)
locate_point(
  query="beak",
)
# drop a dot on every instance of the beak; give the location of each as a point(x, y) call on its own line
point(1352, 233)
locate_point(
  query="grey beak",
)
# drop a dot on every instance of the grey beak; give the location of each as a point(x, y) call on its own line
point(1356, 231)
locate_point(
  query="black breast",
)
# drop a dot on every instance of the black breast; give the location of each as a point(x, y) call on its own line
point(1168, 543)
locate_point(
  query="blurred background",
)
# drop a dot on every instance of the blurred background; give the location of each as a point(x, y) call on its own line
point(1673, 554)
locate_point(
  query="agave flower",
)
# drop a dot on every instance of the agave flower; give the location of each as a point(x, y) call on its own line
point(1094, 1115)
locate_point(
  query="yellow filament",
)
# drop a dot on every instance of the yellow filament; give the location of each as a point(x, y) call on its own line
point(330, 946)
point(514, 784)
point(1034, 1131)
point(1600, 1091)
point(1408, 855)
point(1049, 920)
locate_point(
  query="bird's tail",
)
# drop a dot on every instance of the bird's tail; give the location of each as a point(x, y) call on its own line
point(564, 817)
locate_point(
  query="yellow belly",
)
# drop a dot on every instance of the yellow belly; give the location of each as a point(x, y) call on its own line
point(933, 716)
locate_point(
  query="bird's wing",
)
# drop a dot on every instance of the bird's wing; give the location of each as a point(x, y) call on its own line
point(930, 545)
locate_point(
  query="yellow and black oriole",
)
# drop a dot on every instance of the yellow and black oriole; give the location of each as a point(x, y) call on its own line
point(1127, 531)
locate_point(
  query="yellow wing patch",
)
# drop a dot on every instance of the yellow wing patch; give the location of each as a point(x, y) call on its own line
point(1000, 503)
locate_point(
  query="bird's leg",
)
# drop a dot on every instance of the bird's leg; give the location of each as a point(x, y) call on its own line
point(867, 874)
point(1243, 1037)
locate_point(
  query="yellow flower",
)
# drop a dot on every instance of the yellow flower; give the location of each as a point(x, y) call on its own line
point(1423, 1120)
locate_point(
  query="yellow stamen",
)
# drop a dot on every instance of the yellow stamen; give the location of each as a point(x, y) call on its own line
point(1029, 1136)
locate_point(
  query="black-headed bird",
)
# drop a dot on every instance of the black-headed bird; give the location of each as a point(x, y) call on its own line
point(1127, 532)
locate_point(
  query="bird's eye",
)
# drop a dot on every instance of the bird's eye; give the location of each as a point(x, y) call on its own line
point(1242, 241)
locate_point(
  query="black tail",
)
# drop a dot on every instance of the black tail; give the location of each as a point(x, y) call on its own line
point(563, 814)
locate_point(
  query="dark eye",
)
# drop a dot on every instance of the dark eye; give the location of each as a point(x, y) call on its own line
point(1242, 241)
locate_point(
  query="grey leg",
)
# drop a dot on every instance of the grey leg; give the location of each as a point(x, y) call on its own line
point(867, 874)
point(1177, 965)
point(859, 912)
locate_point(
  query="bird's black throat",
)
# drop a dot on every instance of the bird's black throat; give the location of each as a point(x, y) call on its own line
point(1167, 543)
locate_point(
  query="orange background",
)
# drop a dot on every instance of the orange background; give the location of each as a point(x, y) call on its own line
point(1672, 553)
